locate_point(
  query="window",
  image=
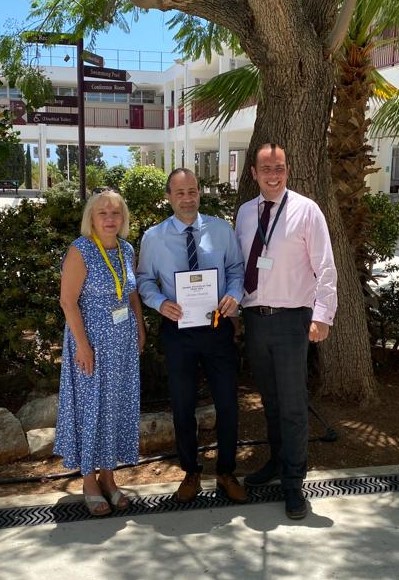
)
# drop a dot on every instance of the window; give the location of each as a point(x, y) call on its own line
point(107, 97)
point(139, 97)
point(65, 91)
point(395, 164)
point(121, 97)
point(93, 97)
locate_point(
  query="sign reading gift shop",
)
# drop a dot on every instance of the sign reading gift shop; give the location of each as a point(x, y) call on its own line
point(53, 118)
point(62, 101)
point(107, 87)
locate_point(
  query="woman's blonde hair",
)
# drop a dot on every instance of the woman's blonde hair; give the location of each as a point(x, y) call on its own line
point(111, 196)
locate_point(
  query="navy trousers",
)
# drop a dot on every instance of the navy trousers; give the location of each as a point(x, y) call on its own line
point(215, 351)
point(277, 347)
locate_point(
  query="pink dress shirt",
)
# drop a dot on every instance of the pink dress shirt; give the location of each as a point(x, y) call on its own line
point(303, 271)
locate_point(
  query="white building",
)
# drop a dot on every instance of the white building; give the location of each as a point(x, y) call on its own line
point(153, 118)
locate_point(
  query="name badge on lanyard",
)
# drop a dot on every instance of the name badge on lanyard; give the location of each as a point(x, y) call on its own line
point(264, 263)
point(120, 315)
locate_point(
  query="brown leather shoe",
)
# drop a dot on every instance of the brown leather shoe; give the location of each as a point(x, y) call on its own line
point(231, 487)
point(189, 487)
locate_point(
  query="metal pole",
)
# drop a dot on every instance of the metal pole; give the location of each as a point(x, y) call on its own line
point(67, 155)
point(81, 121)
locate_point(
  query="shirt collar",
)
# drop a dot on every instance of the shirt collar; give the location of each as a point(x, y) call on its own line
point(277, 201)
point(180, 226)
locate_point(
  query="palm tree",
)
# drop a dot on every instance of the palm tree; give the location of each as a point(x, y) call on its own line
point(357, 81)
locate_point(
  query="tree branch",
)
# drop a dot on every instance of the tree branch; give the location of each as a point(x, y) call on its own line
point(338, 33)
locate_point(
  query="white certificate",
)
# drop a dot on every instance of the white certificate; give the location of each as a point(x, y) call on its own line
point(197, 294)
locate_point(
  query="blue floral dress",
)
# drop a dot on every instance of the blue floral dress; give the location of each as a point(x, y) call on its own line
point(99, 415)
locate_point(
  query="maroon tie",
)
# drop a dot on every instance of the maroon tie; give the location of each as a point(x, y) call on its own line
point(251, 272)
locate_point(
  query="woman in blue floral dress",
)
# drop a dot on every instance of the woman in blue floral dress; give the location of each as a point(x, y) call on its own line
point(99, 404)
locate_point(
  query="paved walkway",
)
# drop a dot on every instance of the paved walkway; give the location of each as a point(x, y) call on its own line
point(344, 537)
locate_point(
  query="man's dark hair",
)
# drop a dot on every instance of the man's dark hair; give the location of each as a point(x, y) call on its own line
point(175, 172)
point(271, 146)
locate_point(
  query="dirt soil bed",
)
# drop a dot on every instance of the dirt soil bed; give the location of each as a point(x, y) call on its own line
point(366, 436)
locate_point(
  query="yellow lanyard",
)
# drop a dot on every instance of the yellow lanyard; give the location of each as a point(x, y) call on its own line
point(119, 289)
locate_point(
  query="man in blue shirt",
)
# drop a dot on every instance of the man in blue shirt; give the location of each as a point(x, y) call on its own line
point(164, 251)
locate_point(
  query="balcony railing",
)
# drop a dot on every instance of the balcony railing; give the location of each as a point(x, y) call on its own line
point(142, 60)
point(204, 110)
point(117, 117)
point(106, 117)
point(145, 118)
point(384, 56)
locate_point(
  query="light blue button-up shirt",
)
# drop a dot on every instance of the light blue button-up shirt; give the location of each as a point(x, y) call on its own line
point(164, 251)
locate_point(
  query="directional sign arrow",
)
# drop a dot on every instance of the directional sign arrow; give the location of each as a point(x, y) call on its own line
point(111, 74)
point(37, 37)
point(92, 58)
point(62, 101)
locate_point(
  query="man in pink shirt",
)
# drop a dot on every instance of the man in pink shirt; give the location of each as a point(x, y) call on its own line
point(290, 298)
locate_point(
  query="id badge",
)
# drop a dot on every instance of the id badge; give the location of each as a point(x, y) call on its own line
point(120, 315)
point(264, 263)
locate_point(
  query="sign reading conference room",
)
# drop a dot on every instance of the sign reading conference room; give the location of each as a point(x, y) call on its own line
point(107, 87)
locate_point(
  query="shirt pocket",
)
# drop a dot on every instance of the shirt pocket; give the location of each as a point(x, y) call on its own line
point(214, 259)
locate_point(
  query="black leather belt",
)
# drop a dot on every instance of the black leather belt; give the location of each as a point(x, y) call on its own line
point(268, 310)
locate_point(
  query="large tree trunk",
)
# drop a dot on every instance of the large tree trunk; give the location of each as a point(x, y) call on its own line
point(345, 357)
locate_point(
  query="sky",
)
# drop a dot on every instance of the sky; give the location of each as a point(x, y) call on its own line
point(150, 33)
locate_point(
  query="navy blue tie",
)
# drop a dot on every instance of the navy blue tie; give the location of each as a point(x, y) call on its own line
point(191, 250)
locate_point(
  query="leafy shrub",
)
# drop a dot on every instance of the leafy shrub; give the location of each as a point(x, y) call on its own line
point(94, 177)
point(384, 226)
point(143, 187)
point(389, 313)
point(384, 317)
point(226, 188)
point(113, 176)
point(222, 206)
point(35, 236)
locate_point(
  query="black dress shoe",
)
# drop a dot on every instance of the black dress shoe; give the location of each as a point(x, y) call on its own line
point(267, 473)
point(295, 504)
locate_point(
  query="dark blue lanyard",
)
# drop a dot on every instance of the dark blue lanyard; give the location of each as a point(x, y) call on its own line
point(261, 232)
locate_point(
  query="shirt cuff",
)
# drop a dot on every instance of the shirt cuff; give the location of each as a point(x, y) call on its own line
point(322, 314)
